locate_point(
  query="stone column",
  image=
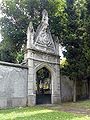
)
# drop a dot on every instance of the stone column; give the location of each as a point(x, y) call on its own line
point(31, 93)
point(56, 97)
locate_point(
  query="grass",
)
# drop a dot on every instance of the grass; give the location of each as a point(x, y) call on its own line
point(38, 113)
point(80, 104)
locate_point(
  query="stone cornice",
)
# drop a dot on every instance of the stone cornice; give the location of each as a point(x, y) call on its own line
point(46, 61)
point(40, 51)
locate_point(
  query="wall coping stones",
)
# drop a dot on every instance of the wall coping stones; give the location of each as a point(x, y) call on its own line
point(13, 65)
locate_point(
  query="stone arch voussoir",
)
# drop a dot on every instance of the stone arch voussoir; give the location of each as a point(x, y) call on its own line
point(40, 66)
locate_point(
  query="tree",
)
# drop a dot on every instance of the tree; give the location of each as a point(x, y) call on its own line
point(74, 43)
point(87, 44)
point(18, 14)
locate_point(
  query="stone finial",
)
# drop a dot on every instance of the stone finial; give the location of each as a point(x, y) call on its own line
point(43, 38)
point(45, 17)
point(30, 29)
point(30, 34)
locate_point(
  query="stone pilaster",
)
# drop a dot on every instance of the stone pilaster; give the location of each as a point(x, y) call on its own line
point(56, 97)
point(31, 93)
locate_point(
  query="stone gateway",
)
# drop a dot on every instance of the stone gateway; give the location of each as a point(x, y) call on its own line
point(43, 61)
point(37, 79)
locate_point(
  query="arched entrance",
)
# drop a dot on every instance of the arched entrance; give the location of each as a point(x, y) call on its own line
point(43, 86)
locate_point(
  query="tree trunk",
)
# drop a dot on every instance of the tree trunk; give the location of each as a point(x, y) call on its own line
point(89, 89)
point(74, 90)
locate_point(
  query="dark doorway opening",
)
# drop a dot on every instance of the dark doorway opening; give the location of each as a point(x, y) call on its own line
point(43, 85)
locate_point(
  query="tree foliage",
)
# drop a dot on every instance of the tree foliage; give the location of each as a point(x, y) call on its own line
point(76, 44)
point(87, 40)
point(16, 16)
point(74, 40)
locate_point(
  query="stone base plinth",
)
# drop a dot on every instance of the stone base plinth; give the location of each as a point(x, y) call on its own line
point(31, 100)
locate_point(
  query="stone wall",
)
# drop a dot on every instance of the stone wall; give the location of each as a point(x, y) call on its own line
point(13, 85)
point(66, 89)
point(82, 88)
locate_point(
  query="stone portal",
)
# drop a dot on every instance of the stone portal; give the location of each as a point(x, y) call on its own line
point(42, 55)
point(43, 86)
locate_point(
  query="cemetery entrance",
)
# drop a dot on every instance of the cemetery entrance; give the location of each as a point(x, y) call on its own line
point(43, 85)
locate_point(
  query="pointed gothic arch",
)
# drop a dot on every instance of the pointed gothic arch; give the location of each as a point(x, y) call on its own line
point(52, 78)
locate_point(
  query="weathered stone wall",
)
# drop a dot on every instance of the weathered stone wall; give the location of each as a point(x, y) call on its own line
point(13, 85)
point(66, 88)
point(82, 88)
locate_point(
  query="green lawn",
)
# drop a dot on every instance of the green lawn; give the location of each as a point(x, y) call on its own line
point(38, 113)
point(81, 104)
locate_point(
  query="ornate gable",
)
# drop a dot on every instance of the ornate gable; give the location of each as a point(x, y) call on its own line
point(41, 39)
point(43, 36)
